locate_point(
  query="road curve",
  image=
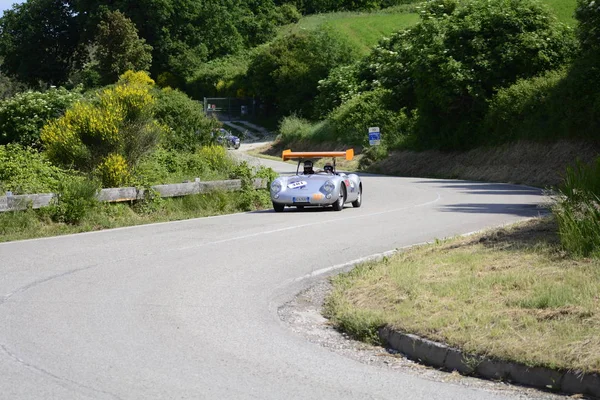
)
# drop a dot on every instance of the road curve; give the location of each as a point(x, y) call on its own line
point(188, 310)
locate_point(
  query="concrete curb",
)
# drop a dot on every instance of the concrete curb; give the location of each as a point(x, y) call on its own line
point(448, 358)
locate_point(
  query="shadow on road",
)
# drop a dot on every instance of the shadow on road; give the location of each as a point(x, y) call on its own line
point(485, 188)
point(521, 210)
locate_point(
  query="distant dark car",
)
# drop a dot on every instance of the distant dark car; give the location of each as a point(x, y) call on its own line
point(224, 137)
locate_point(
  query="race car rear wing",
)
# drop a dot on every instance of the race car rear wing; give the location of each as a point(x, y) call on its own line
point(292, 155)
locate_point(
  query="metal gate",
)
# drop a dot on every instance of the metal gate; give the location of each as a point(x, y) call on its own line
point(230, 108)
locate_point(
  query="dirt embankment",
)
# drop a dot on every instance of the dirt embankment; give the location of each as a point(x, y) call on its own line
point(535, 164)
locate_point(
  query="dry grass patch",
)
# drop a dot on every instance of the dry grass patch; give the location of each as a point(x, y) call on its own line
point(509, 294)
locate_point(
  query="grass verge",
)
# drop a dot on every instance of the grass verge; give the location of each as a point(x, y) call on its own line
point(40, 223)
point(510, 294)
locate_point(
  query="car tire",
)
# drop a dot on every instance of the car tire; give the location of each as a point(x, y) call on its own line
point(236, 146)
point(278, 207)
point(339, 204)
point(358, 202)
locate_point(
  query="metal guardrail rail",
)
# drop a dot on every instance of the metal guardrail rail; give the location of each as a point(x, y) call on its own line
point(113, 195)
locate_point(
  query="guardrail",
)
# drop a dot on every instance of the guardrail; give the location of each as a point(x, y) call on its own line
point(113, 195)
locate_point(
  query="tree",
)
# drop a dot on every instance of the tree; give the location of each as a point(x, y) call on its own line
point(38, 41)
point(453, 62)
point(286, 73)
point(118, 48)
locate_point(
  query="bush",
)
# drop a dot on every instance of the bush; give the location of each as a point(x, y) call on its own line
point(113, 171)
point(23, 116)
point(118, 121)
point(75, 198)
point(188, 127)
point(578, 209)
point(169, 166)
point(352, 120)
point(529, 109)
point(451, 63)
point(25, 171)
point(222, 77)
point(294, 128)
point(297, 61)
point(588, 30)
point(340, 85)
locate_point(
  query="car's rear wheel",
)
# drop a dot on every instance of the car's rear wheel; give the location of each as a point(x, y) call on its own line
point(358, 202)
point(278, 207)
point(339, 204)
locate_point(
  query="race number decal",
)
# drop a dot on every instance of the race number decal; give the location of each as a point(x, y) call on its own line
point(297, 185)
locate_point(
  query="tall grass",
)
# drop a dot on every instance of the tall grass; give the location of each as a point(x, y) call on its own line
point(578, 209)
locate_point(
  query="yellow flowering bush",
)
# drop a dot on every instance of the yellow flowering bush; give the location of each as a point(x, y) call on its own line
point(109, 133)
point(136, 78)
point(114, 171)
point(215, 157)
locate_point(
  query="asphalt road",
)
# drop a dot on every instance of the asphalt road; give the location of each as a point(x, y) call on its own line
point(188, 310)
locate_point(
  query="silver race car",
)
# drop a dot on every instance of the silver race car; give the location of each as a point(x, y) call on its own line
point(326, 187)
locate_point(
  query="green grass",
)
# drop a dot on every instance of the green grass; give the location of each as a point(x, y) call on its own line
point(38, 223)
point(511, 294)
point(363, 30)
point(564, 10)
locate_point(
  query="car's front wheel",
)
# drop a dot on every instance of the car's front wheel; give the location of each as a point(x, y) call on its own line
point(278, 207)
point(339, 204)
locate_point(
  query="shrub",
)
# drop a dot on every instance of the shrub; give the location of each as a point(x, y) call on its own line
point(297, 61)
point(352, 120)
point(118, 121)
point(168, 166)
point(588, 30)
point(75, 198)
point(23, 116)
point(452, 62)
point(529, 109)
point(578, 209)
point(340, 85)
point(24, 170)
point(188, 127)
point(293, 128)
point(222, 77)
point(113, 171)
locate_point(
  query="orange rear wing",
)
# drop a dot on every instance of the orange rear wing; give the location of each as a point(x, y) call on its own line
point(290, 155)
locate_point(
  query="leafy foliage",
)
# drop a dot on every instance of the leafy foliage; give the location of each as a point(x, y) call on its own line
point(577, 211)
point(352, 120)
point(222, 77)
point(188, 127)
point(10, 87)
point(529, 109)
point(24, 170)
point(118, 121)
point(339, 86)
point(588, 30)
point(168, 166)
point(453, 61)
point(23, 116)
point(75, 199)
point(38, 41)
point(117, 48)
point(296, 61)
